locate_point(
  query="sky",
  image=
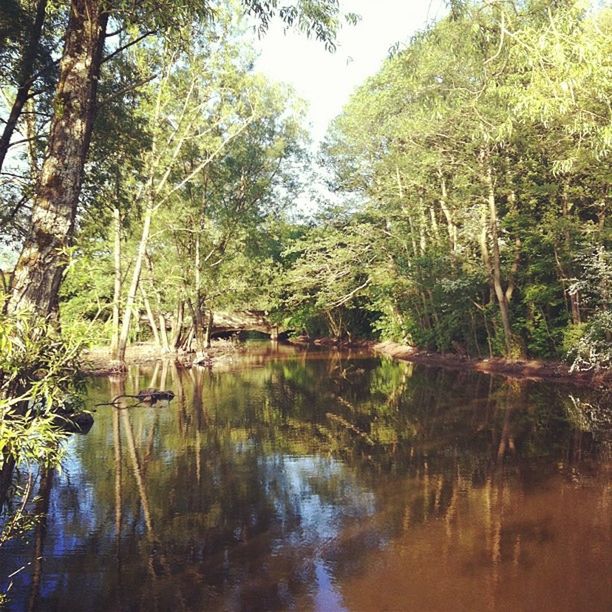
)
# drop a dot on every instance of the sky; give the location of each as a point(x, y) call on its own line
point(326, 80)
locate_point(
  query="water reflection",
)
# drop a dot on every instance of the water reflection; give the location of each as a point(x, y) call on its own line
point(314, 481)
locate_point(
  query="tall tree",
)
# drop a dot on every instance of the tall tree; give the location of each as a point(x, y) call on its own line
point(44, 256)
point(472, 150)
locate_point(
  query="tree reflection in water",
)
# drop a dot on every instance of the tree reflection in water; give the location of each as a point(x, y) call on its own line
point(321, 482)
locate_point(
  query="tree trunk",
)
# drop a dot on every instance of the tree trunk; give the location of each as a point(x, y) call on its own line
point(117, 288)
point(163, 332)
point(415, 249)
point(422, 227)
point(502, 298)
point(405, 210)
point(26, 79)
point(209, 326)
point(177, 327)
point(196, 324)
point(201, 331)
point(434, 225)
point(335, 326)
point(150, 316)
point(574, 296)
point(31, 131)
point(43, 259)
point(188, 340)
point(200, 328)
point(450, 222)
point(131, 296)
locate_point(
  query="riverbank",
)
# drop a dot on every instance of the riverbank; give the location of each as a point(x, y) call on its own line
point(531, 369)
point(97, 361)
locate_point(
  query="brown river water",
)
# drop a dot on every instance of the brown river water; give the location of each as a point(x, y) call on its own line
point(322, 481)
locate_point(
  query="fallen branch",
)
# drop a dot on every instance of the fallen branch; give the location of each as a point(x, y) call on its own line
point(146, 396)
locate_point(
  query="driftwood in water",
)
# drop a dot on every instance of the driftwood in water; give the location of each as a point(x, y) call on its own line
point(151, 396)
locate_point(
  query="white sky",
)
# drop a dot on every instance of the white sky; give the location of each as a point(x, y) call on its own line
point(326, 80)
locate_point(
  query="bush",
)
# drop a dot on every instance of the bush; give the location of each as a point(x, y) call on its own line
point(593, 350)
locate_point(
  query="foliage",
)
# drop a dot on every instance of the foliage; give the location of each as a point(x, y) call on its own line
point(323, 285)
point(593, 350)
point(480, 153)
point(37, 377)
point(593, 340)
point(217, 165)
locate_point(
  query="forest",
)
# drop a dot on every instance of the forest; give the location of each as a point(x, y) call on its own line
point(149, 175)
point(471, 175)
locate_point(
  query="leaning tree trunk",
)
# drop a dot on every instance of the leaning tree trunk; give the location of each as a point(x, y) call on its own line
point(150, 316)
point(43, 259)
point(119, 355)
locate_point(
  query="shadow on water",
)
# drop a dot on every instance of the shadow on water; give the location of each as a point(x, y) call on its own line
point(318, 481)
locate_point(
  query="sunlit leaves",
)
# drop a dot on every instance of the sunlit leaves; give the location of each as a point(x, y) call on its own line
point(37, 377)
point(523, 88)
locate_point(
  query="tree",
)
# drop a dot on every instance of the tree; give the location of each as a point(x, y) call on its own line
point(43, 259)
point(324, 281)
point(220, 161)
point(39, 270)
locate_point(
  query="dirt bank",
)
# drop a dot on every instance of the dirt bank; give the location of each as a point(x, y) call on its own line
point(529, 369)
point(97, 361)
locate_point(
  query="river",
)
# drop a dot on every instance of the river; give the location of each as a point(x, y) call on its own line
point(298, 480)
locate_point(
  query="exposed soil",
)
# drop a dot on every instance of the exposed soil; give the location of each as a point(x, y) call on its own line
point(97, 361)
point(529, 369)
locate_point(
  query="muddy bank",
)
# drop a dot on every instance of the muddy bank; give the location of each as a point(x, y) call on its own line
point(527, 369)
point(97, 361)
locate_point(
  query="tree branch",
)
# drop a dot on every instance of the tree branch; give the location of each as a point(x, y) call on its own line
point(126, 46)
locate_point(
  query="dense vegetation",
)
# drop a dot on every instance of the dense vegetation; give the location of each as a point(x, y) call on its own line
point(478, 158)
point(472, 170)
